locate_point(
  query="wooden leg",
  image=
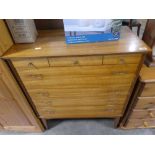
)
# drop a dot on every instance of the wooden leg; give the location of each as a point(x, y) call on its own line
point(138, 30)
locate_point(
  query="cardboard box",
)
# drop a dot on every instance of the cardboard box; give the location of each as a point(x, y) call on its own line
point(5, 38)
point(91, 30)
point(22, 30)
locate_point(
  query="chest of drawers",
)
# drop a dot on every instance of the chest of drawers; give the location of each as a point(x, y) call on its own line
point(141, 112)
point(78, 81)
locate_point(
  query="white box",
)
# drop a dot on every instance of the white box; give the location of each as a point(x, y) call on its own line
point(91, 30)
point(22, 30)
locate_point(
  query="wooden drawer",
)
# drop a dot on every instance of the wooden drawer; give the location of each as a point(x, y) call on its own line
point(30, 63)
point(121, 59)
point(64, 93)
point(78, 112)
point(76, 61)
point(141, 123)
point(58, 98)
point(142, 114)
point(149, 90)
point(79, 86)
point(77, 101)
point(78, 71)
point(112, 83)
point(145, 103)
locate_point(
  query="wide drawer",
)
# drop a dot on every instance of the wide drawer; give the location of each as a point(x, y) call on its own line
point(142, 114)
point(80, 93)
point(149, 90)
point(79, 112)
point(121, 59)
point(83, 100)
point(145, 103)
point(141, 123)
point(78, 71)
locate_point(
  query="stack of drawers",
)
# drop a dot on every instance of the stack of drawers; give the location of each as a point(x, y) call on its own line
point(79, 86)
point(141, 113)
point(81, 80)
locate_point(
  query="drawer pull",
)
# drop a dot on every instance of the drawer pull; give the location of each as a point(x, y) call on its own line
point(76, 62)
point(32, 65)
point(39, 76)
point(119, 73)
point(145, 124)
point(46, 94)
point(122, 61)
point(151, 115)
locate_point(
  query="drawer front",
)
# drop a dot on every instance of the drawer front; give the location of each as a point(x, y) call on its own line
point(141, 123)
point(145, 103)
point(30, 63)
point(149, 90)
point(44, 100)
point(78, 86)
point(78, 72)
point(75, 61)
point(142, 114)
point(121, 59)
point(78, 112)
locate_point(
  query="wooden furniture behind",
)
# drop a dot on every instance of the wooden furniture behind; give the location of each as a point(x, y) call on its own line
point(141, 110)
point(78, 81)
point(132, 23)
point(15, 111)
point(149, 39)
point(5, 38)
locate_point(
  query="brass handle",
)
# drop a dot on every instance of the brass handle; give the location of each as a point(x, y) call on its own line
point(122, 61)
point(39, 76)
point(151, 115)
point(32, 65)
point(119, 73)
point(46, 94)
point(145, 124)
point(50, 102)
point(76, 62)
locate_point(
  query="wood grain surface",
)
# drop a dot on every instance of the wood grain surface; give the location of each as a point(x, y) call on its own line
point(52, 43)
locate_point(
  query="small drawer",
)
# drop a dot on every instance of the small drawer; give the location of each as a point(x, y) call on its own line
point(149, 90)
point(121, 59)
point(142, 114)
point(145, 103)
point(30, 63)
point(76, 61)
point(141, 123)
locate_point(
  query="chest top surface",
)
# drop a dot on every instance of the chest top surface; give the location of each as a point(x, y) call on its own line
point(52, 43)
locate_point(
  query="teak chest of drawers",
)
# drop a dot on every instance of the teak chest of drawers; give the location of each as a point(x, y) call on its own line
point(141, 111)
point(78, 81)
